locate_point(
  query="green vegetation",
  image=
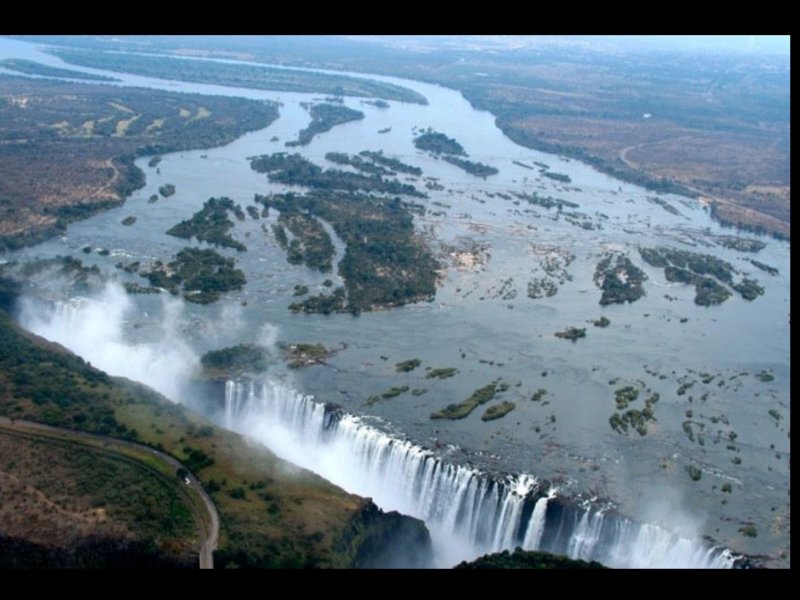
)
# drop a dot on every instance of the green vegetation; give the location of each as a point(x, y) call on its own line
point(636, 419)
point(442, 373)
point(93, 552)
point(571, 333)
point(390, 163)
point(727, 488)
point(558, 176)
point(321, 303)
point(59, 494)
point(547, 202)
point(239, 75)
point(693, 268)
point(376, 103)
point(129, 220)
point(694, 472)
point(210, 224)
point(288, 517)
point(203, 275)
point(166, 190)
point(70, 153)
point(617, 424)
point(748, 289)
point(632, 418)
point(300, 355)
point(579, 220)
point(280, 235)
point(153, 162)
point(463, 409)
point(325, 117)
point(741, 244)
point(709, 292)
point(390, 393)
point(385, 263)
point(497, 411)
point(765, 376)
point(664, 204)
point(764, 267)
point(233, 361)
point(438, 143)
point(619, 279)
point(473, 168)
point(407, 365)
point(602, 322)
point(541, 288)
point(63, 265)
point(311, 244)
point(29, 67)
point(55, 387)
point(624, 396)
point(748, 530)
point(300, 290)
point(355, 161)
point(538, 395)
point(135, 288)
point(77, 277)
point(527, 559)
point(132, 267)
point(699, 264)
point(293, 169)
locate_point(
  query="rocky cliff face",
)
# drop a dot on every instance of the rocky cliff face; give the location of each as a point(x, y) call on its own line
point(374, 539)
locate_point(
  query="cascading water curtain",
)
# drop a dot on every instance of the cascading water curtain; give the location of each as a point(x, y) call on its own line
point(468, 513)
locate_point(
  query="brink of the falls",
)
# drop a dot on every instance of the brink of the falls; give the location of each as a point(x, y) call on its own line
point(468, 512)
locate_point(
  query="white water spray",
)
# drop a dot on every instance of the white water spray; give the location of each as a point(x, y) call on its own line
point(468, 513)
point(93, 328)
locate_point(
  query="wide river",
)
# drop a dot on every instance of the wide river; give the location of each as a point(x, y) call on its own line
point(482, 321)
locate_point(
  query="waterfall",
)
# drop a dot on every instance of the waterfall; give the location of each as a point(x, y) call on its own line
point(94, 328)
point(467, 512)
point(533, 536)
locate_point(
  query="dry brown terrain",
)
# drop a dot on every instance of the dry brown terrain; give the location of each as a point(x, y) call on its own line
point(67, 149)
point(57, 494)
point(719, 136)
point(717, 121)
point(746, 176)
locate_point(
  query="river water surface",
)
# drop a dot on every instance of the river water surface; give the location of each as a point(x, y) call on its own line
point(482, 321)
